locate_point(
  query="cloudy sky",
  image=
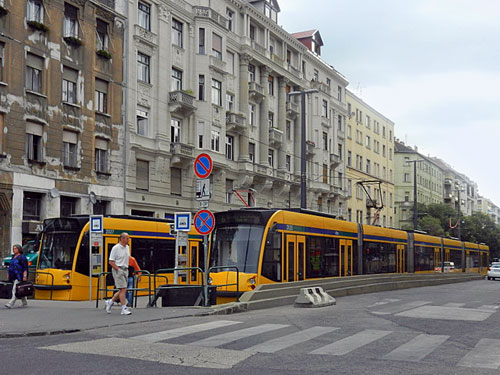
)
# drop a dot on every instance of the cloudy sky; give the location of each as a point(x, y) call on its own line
point(431, 66)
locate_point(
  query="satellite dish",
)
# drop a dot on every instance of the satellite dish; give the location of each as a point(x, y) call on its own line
point(92, 197)
point(54, 193)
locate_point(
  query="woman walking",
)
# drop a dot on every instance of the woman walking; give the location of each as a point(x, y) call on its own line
point(18, 271)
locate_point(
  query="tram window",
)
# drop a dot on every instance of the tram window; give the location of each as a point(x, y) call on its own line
point(322, 258)
point(152, 254)
point(456, 258)
point(379, 258)
point(424, 258)
point(82, 260)
point(271, 263)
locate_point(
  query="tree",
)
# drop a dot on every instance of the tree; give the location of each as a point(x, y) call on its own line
point(431, 225)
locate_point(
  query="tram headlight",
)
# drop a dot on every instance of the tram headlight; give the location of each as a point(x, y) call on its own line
point(252, 282)
point(67, 277)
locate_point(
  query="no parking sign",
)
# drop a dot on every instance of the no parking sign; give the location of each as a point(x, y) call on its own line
point(204, 222)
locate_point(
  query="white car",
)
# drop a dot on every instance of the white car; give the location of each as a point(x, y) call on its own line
point(493, 272)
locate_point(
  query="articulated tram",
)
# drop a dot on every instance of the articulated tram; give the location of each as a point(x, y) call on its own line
point(264, 246)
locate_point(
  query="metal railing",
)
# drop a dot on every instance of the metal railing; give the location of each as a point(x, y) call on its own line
point(159, 272)
point(135, 289)
point(51, 285)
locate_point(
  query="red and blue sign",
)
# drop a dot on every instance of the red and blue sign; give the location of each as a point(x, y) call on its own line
point(204, 222)
point(203, 166)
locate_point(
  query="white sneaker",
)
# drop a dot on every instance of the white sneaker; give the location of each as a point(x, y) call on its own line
point(108, 304)
point(8, 305)
point(25, 301)
point(126, 311)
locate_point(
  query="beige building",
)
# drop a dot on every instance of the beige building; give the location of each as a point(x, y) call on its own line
point(60, 112)
point(487, 207)
point(370, 164)
point(214, 77)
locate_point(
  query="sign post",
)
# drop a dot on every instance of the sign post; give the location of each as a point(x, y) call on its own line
point(204, 220)
point(95, 249)
point(182, 225)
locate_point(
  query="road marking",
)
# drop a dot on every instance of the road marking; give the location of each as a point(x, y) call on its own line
point(417, 348)
point(351, 343)
point(447, 313)
point(492, 308)
point(226, 338)
point(280, 343)
point(398, 308)
point(385, 302)
point(486, 354)
point(452, 304)
point(177, 332)
point(180, 355)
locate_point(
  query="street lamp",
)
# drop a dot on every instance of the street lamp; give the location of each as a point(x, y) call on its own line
point(303, 195)
point(415, 207)
point(459, 188)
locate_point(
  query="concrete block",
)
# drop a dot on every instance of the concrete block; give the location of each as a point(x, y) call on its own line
point(314, 297)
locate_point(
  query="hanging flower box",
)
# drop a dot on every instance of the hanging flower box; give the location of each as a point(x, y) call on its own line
point(72, 40)
point(104, 54)
point(35, 25)
point(3, 11)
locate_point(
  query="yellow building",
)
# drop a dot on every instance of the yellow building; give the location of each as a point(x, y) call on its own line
point(369, 164)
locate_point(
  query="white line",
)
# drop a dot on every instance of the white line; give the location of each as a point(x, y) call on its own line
point(280, 343)
point(385, 302)
point(452, 304)
point(351, 343)
point(226, 338)
point(398, 308)
point(486, 354)
point(488, 308)
point(417, 348)
point(177, 332)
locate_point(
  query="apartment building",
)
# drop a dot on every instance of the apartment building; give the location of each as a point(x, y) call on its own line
point(487, 207)
point(430, 179)
point(214, 77)
point(370, 164)
point(60, 112)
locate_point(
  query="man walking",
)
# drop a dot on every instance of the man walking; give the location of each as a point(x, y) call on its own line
point(118, 260)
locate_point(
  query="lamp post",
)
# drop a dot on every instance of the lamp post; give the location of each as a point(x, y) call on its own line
point(458, 188)
point(415, 206)
point(303, 194)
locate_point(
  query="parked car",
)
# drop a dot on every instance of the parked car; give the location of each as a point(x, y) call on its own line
point(448, 267)
point(493, 272)
point(30, 252)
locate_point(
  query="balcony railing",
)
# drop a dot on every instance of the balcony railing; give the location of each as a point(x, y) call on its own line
point(334, 159)
point(292, 109)
point(310, 148)
point(217, 64)
point(256, 90)
point(205, 12)
point(235, 122)
point(275, 137)
point(181, 153)
point(323, 87)
point(181, 102)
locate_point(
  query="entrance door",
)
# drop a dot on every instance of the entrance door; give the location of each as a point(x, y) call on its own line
point(193, 262)
point(400, 259)
point(109, 243)
point(345, 258)
point(437, 258)
point(294, 259)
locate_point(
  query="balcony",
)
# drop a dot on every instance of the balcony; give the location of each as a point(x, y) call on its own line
point(217, 64)
point(278, 60)
point(182, 154)
point(334, 160)
point(204, 12)
point(340, 134)
point(323, 87)
point(259, 48)
point(275, 137)
point(447, 181)
point(292, 109)
point(256, 91)
point(181, 103)
point(310, 149)
point(335, 190)
point(235, 122)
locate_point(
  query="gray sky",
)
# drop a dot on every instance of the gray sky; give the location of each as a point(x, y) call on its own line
point(431, 66)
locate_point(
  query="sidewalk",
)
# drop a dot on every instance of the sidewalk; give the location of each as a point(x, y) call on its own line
point(43, 317)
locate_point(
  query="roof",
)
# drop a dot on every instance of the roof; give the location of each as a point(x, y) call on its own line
point(304, 34)
point(401, 147)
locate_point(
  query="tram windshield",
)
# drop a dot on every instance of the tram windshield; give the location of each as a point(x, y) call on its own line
point(60, 237)
point(237, 246)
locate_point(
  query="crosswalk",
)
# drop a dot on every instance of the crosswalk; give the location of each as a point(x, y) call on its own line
point(222, 344)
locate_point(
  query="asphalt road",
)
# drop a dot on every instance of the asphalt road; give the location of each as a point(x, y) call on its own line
point(447, 329)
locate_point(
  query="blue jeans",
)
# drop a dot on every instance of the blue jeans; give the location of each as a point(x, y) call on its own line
point(130, 294)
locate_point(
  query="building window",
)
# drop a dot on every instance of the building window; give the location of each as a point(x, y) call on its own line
point(230, 102)
point(349, 158)
point(316, 75)
point(35, 11)
point(368, 166)
point(1, 61)
point(288, 130)
point(142, 175)
point(271, 119)
point(101, 96)
point(251, 152)
point(175, 130)
point(252, 32)
point(201, 87)
point(201, 41)
point(143, 72)
point(270, 80)
point(70, 21)
point(230, 19)
point(70, 77)
point(68, 206)
point(142, 122)
point(70, 141)
point(230, 62)
point(101, 208)
point(34, 146)
point(339, 122)
point(270, 158)
point(102, 35)
point(368, 141)
point(217, 46)
point(368, 121)
point(216, 92)
point(288, 163)
point(144, 15)
point(215, 140)
point(339, 93)
point(101, 155)
point(251, 73)
point(406, 177)
point(324, 108)
point(251, 111)
point(34, 71)
point(176, 32)
point(176, 181)
point(32, 204)
point(325, 173)
point(176, 80)
point(230, 147)
point(325, 141)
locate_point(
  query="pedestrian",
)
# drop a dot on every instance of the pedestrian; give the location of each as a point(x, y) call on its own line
point(133, 269)
point(18, 271)
point(118, 260)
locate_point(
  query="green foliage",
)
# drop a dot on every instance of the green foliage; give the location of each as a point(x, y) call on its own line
point(38, 26)
point(431, 225)
point(104, 54)
point(73, 41)
point(3, 11)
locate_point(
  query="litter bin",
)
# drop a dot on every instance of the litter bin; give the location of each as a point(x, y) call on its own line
point(186, 295)
point(5, 290)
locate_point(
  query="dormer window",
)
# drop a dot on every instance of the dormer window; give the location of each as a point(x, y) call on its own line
point(270, 12)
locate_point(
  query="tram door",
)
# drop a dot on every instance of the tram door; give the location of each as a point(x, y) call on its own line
point(294, 258)
point(109, 243)
point(193, 262)
point(437, 257)
point(345, 263)
point(400, 259)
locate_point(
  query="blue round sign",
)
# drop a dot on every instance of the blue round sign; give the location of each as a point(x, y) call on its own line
point(204, 222)
point(203, 166)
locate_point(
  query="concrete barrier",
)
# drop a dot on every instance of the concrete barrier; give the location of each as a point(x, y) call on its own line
point(314, 297)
